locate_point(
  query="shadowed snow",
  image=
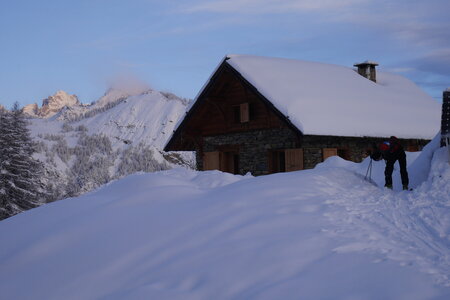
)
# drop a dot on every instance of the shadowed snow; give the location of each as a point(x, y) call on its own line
point(180, 234)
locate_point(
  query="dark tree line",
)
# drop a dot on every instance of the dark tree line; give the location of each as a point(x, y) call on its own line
point(20, 174)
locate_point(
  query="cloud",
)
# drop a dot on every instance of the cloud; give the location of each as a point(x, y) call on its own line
point(423, 33)
point(128, 82)
point(269, 6)
point(423, 22)
point(437, 62)
point(431, 71)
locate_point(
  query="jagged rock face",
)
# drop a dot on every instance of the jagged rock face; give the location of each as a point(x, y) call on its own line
point(31, 109)
point(55, 103)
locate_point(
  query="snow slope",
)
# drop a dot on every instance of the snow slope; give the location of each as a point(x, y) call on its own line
point(180, 234)
point(148, 118)
point(310, 92)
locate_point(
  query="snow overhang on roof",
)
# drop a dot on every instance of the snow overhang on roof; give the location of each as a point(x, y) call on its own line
point(325, 99)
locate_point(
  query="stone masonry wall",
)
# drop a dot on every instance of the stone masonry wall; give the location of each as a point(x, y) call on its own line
point(354, 148)
point(254, 147)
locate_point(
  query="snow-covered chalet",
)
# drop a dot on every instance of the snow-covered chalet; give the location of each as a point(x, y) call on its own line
point(265, 115)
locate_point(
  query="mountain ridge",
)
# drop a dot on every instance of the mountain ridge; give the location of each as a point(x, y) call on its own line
point(86, 146)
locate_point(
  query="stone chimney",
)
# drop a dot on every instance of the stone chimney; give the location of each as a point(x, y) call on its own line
point(367, 70)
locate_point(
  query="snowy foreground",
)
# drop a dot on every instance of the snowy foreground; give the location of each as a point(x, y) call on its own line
point(179, 234)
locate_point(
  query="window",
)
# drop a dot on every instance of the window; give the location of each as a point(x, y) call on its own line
point(278, 161)
point(226, 161)
point(344, 153)
point(341, 152)
point(211, 160)
point(327, 152)
point(412, 148)
point(286, 160)
point(245, 115)
point(241, 113)
point(236, 114)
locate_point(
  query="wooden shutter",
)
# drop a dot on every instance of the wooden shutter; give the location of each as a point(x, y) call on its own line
point(327, 152)
point(245, 116)
point(211, 160)
point(294, 159)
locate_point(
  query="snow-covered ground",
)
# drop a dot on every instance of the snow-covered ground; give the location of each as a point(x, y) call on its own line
point(180, 234)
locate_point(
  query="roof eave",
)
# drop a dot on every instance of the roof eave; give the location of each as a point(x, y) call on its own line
point(194, 106)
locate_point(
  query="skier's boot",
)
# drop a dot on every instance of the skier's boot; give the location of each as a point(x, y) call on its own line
point(405, 187)
point(389, 186)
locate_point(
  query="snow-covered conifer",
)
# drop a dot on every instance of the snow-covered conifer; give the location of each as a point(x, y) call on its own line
point(20, 182)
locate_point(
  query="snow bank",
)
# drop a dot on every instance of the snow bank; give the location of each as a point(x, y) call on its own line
point(418, 165)
point(420, 169)
point(180, 234)
point(376, 176)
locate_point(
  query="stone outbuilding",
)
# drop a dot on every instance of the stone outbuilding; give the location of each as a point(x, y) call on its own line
point(266, 115)
point(445, 119)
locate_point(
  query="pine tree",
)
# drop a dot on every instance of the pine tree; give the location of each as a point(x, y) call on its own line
point(20, 187)
point(3, 163)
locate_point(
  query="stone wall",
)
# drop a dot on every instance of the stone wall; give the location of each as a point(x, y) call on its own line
point(351, 148)
point(354, 149)
point(254, 147)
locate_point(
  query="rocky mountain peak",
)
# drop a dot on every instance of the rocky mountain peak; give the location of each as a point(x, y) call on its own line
point(31, 109)
point(53, 104)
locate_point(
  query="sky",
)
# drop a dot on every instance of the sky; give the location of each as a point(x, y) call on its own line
point(84, 46)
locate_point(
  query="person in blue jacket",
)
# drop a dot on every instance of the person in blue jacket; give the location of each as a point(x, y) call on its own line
point(391, 151)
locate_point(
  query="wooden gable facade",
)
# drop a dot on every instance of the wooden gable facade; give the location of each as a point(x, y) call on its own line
point(234, 128)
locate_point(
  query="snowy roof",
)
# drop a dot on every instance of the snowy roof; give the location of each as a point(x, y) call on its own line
point(325, 99)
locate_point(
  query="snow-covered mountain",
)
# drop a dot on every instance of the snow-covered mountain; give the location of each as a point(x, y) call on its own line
point(146, 118)
point(324, 233)
point(85, 146)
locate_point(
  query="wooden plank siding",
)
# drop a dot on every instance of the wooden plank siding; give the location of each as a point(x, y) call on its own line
point(216, 115)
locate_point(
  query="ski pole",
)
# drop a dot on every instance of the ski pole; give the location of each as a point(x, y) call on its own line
point(369, 171)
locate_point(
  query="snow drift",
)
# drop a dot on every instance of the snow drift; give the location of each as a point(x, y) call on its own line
point(180, 234)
